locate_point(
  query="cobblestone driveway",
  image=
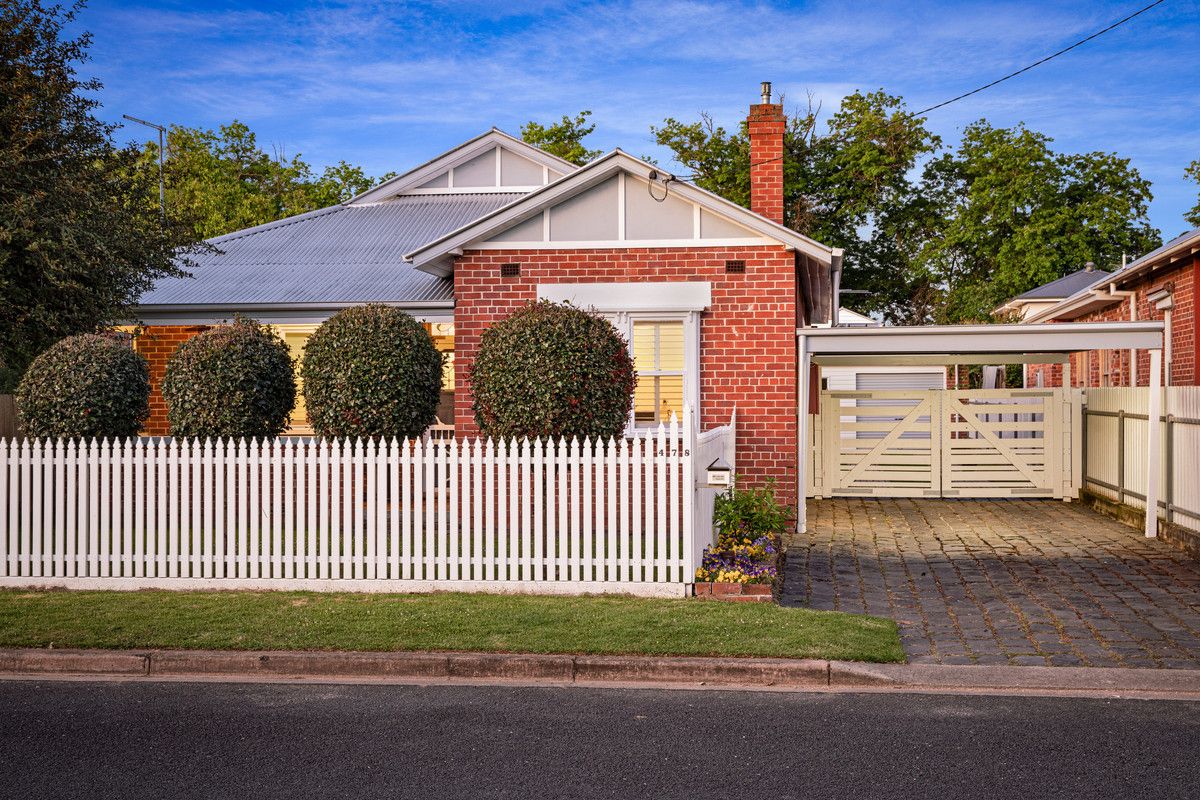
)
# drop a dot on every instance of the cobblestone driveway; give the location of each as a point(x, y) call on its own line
point(1001, 582)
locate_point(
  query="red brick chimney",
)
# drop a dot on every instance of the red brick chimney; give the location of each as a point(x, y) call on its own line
point(766, 125)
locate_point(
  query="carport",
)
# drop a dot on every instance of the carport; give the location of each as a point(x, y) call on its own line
point(953, 442)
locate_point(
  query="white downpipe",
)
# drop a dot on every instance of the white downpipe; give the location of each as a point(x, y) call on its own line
point(1168, 355)
point(804, 365)
point(1153, 443)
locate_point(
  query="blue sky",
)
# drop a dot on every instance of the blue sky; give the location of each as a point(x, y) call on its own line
point(388, 85)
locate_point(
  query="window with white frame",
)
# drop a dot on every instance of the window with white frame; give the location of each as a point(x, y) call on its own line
point(666, 357)
point(658, 358)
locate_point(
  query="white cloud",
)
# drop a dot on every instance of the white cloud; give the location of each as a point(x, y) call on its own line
point(392, 82)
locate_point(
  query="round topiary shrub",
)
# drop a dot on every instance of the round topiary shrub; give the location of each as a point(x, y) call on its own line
point(230, 381)
point(371, 371)
point(552, 370)
point(85, 386)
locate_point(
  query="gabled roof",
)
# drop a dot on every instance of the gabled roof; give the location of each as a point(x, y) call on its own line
point(1065, 286)
point(436, 257)
point(1055, 290)
point(338, 255)
point(1094, 296)
point(459, 155)
point(349, 253)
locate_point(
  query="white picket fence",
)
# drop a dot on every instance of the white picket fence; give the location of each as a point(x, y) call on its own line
point(541, 516)
point(1115, 429)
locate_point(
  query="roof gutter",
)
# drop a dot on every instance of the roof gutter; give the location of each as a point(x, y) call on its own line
point(271, 313)
point(235, 307)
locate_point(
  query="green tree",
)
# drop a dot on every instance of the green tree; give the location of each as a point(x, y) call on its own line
point(342, 182)
point(564, 138)
point(80, 233)
point(846, 185)
point(222, 181)
point(1193, 172)
point(1015, 214)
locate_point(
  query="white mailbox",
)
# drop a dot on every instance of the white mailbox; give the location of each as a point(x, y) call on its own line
point(719, 473)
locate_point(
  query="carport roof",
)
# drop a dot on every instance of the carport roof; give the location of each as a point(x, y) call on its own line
point(967, 341)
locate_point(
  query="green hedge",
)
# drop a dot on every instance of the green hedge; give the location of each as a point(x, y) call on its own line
point(552, 370)
point(85, 386)
point(230, 381)
point(371, 371)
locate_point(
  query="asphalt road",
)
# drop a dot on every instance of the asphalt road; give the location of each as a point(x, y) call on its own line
point(217, 740)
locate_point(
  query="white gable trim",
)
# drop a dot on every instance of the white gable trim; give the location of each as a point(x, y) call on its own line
point(656, 296)
point(437, 256)
point(469, 190)
point(409, 182)
point(616, 244)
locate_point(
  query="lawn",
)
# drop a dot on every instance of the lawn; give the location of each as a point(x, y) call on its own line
point(445, 621)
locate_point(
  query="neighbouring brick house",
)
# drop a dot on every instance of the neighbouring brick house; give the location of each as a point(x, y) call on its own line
point(709, 294)
point(1163, 286)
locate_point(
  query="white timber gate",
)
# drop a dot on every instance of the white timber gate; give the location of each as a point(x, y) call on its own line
point(949, 443)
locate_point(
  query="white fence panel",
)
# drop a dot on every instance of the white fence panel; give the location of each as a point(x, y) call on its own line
point(551, 516)
point(1116, 456)
point(718, 443)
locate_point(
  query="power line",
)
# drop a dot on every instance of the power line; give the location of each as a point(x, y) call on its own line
point(1116, 24)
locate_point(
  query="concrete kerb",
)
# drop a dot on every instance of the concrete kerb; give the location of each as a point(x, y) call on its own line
point(443, 666)
point(742, 673)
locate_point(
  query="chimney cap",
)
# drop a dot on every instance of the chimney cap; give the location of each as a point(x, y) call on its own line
point(766, 92)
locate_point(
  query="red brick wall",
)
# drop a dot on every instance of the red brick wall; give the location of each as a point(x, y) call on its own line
point(747, 337)
point(766, 126)
point(1051, 375)
point(157, 343)
point(1185, 334)
point(1088, 369)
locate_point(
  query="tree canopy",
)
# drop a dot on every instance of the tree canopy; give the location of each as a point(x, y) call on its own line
point(80, 232)
point(222, 181)
point(846, 184)
point(933, 234)
point(1016, 214)
point(563, 138)
point(1193, 172)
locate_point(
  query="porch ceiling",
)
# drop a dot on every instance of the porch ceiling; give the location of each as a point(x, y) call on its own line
point(955, 340)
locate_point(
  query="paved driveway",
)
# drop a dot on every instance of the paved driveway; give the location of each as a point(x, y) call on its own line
point(1001, 581)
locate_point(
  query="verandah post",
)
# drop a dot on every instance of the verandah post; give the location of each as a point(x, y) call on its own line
point(1153, 444)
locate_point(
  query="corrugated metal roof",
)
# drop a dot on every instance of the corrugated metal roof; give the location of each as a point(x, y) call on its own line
point(1065, 286)
point(341, 254)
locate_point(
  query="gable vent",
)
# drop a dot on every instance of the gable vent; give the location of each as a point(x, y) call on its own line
point(737, 266)
point(510, 270)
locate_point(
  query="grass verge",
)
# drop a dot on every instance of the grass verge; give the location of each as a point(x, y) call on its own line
point(444, 621)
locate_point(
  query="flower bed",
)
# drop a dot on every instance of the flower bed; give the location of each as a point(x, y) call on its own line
point(745, 563)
